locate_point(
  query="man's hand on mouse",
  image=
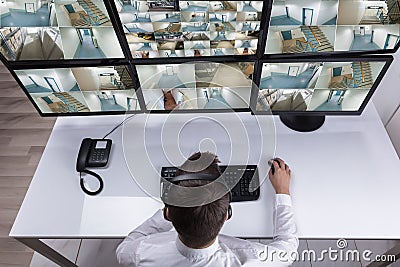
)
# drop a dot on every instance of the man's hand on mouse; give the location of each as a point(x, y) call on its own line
point(280, 178)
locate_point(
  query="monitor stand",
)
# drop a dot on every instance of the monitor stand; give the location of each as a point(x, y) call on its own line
point(303, 123)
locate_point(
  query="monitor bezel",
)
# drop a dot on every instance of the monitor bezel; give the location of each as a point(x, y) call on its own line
point(217, 59)
point(260, 45)
point(107, 4)
point(388, 59)
point(316, 54)
point(70, 66)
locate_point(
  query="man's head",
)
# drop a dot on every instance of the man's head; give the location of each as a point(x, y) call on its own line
point(199, 226)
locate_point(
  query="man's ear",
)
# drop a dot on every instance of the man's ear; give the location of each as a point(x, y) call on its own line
point(166, 214)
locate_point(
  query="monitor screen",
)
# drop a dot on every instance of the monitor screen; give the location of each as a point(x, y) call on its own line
point(106, 89)
point(320, 26)
point(318, 86)
point(59, 29)
point(196, 86)
point(171, 28)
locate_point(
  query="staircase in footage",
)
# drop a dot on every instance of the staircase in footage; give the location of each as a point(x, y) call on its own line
point(93, 17)
point(361, 78)
point(316, 41)
point(125, 77)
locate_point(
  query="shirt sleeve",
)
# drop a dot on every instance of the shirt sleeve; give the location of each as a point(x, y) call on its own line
point(285, 232)
point(127, 250)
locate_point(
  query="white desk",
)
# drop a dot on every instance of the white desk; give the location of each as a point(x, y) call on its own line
point(345, 184)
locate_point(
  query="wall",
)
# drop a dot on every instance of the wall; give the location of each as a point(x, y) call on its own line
point(70, 41)
point(376, 68)
point(296, 9)
point(325, 78)
point(278, 9)
point(62, 15)
point(284, 67)
point(237, 97)
point(319, 97)
point(20, 4)
point(353, 99)
point(387, 95)
point(274, 43)
point(24, 78)
point(86, 78)
point(149, 75)
point(380, 33)
point(108, 42)
point(4, 8)
point(330, 33)
point(327, 11)
point(66, 78)
point(266, 71)
point(344, 38)
point(350, 13)
point(393, 129)
point(154, 99)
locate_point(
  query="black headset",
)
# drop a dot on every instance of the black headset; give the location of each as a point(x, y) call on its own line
point(194, 176)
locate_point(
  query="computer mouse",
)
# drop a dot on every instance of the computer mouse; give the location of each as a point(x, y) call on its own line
point(272, 165)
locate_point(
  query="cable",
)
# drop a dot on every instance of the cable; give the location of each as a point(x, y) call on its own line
point(82, 183)
point(119, 125)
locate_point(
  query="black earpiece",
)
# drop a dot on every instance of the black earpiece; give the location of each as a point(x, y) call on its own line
point(229, 212)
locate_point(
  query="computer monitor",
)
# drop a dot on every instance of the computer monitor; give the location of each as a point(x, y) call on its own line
point(328, 26)
point(155, 29)
point(56, 30)
point(96, 90)
point(197, 86)
point(304, 91)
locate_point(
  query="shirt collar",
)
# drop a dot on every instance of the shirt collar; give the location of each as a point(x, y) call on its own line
point(196, 252)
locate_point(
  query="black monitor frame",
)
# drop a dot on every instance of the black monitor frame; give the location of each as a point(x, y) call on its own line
point(259, 59)
point(107, 4)
point(317, 54)
point(215, 59)
point(262, 41)
point(81, 64)
point(367, 58)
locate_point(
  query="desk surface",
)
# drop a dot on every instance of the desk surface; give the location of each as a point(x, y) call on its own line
point(345, 183)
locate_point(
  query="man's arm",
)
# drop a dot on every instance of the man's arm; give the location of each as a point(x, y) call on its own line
point(126, 251)
point(285, 232)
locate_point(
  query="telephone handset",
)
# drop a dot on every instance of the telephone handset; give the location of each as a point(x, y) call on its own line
point(93, 153)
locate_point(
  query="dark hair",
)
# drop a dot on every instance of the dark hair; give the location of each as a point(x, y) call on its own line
point(198, 226)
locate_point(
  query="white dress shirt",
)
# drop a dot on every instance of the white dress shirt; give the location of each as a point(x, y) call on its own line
point(153, 244)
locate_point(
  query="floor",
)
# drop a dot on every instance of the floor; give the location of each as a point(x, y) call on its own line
point(24, 135)
point(32, 49)
point(195, 8)
point(128, 8)
point(176, 18)
point(331, 105)
point(22, 18)
point(331, 21)
point(88, 50)
point(110, 105)
point(248, 8)
point(281, 80)
point(170, 81)
point(363, 43)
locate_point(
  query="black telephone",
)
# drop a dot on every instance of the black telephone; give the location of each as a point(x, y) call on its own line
point(93, 153)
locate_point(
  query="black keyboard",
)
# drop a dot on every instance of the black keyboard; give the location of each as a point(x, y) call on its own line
point(247, 189)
